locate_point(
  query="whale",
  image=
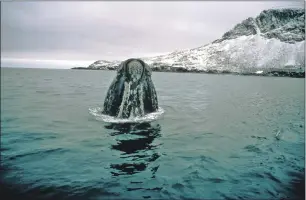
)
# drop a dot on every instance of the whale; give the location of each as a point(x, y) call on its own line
point(132, 92)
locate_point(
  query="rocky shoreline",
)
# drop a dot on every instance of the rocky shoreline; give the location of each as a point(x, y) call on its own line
point(270, 73)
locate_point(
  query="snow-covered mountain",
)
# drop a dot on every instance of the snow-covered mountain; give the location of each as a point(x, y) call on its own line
point(273, 42)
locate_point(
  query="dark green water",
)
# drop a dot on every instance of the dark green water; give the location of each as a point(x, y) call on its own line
point(221, 137)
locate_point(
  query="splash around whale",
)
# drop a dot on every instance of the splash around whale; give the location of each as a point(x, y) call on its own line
point(97, 114)
point(131, 96)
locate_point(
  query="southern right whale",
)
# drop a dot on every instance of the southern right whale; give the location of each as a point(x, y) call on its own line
point(132, 92)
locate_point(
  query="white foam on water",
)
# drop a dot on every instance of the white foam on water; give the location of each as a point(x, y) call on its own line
point(97, 113)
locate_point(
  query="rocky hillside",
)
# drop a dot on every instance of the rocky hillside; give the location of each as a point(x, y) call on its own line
point(270, 44)
point(286, 25)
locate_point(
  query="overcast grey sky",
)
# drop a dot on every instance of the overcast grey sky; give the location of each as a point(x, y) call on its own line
point(117, 30)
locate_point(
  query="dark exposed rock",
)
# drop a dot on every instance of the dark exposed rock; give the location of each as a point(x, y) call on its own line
point(287, 25)
point(246, 27)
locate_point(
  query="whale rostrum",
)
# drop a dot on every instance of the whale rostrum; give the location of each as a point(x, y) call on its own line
point(132, 92)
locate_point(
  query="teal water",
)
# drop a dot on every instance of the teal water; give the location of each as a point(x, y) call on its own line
point(221, 137)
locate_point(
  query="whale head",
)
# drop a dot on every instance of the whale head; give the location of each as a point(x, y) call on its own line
point(132, 92)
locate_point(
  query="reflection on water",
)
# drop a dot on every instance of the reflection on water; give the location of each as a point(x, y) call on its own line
point(138, 152)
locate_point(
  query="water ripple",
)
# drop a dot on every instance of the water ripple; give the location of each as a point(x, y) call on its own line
point(37, 153)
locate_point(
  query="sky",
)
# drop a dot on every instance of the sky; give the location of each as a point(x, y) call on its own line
point(78, 33)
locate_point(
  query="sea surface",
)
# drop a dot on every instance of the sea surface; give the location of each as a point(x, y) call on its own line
point(220, 137)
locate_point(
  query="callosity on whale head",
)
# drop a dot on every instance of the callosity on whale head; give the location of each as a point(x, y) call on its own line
point(132, 92)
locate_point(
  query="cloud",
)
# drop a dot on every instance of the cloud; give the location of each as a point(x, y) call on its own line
point(117, 30)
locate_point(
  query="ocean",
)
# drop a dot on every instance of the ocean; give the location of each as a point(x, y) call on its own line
point(219, 137)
